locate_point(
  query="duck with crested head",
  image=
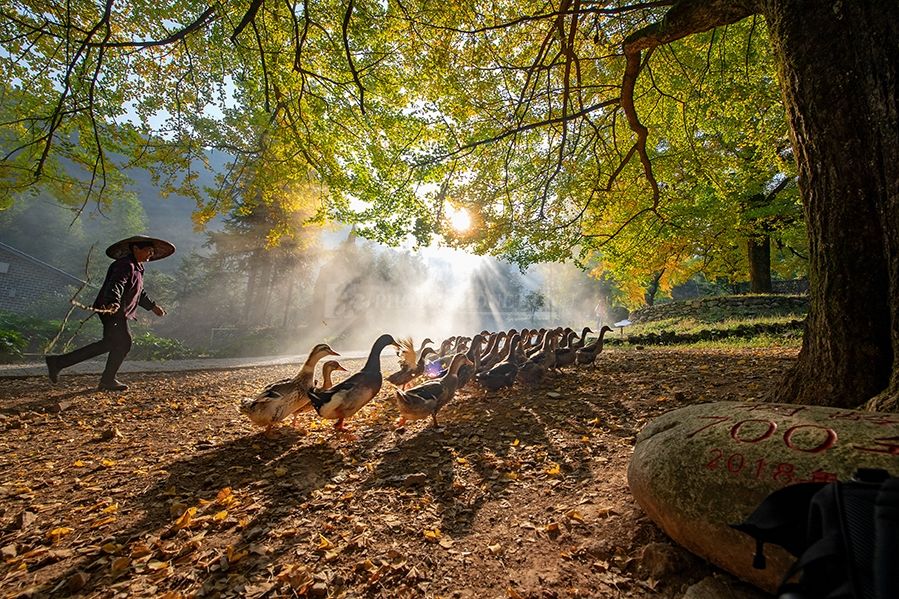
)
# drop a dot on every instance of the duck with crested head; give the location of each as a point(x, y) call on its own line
point(427, 399)
point(410, 368)
point(349, 396)
point(285, 397)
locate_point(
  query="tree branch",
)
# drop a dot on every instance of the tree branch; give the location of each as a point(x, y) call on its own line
point(248, 17)
point(517, 130)
point(349, 57)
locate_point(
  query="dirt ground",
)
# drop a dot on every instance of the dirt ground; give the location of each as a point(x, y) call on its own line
point(167, 491)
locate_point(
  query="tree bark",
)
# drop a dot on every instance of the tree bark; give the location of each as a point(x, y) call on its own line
point(759, 254)
point(838, 68)
point(250, 295)
point(653, 288)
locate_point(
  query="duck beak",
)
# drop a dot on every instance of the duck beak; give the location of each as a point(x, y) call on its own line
point(333, 353)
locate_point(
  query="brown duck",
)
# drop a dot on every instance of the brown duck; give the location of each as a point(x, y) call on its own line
point(427, 399)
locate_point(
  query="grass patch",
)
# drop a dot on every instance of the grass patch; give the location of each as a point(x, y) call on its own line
point(693, 325)
point(719, 325)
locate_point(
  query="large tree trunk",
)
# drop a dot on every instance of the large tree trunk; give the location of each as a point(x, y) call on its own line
point(839, 71)
point(759, 255)
point(653, 288)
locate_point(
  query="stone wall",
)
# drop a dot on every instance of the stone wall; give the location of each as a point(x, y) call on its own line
point(26, 282)
point(728, 305)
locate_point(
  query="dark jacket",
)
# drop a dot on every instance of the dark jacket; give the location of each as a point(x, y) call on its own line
point(124, 285)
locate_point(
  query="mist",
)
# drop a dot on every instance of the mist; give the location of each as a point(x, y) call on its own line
point(347, 292)
point(231, 292)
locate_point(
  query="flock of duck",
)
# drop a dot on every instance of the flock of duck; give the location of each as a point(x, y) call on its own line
point(491, 361)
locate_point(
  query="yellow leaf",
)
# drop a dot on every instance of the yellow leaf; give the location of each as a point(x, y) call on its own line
point(515, 443)
point(185, 520)
point(576, 516)
point(223, 495)
point(220, 516)
point(512, 475)
point(102, 521)
point(234, 555)
point(107, 463)
point(367, 565)
point(78, 464)
point(432, 536)
point(554, 470)
point(111, 509)
point(154, 565)
point(462, 461)
point(57, 533)
point(585, 439)
point(323, 543)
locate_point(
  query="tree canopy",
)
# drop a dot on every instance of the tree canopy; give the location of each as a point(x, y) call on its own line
point(383, 112)
point(564, 127)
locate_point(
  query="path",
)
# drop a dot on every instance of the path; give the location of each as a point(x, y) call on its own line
point(132, 366)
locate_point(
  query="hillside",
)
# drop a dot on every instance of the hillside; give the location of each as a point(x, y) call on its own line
point(759, 320)
point(42, 227)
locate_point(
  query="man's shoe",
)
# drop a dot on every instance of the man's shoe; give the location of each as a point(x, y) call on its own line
point(113, 385)
point(52, 368)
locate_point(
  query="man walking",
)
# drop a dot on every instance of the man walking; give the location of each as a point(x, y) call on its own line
point(122, 292)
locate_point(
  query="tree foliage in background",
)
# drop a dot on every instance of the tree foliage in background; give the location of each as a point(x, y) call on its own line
point(546, 121)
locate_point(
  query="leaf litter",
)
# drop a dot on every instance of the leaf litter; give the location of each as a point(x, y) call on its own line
point(167, 491)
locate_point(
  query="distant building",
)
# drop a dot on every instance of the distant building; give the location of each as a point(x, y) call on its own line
point(26, 282)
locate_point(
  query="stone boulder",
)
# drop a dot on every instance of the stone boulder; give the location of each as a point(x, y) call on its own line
point(698, 469)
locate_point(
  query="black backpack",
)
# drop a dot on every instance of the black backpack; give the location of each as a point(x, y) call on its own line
point(845, 536)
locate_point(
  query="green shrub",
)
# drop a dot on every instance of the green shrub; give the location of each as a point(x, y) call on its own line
point(11, 345)
point(148, 346)
point(21, 335)
point(261, 342)
point(33, 333)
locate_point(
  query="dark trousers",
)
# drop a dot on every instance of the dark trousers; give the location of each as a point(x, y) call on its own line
point(116, 340)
